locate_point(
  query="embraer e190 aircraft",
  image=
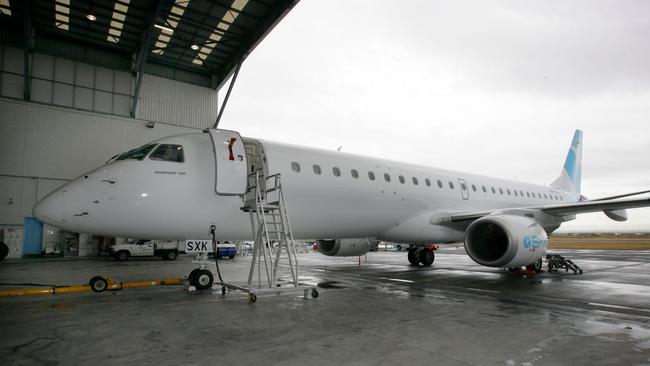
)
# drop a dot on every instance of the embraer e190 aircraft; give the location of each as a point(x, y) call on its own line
point(179, 186)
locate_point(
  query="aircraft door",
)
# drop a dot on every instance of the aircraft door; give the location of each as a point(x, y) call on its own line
point(463, 189)
point(230, 160)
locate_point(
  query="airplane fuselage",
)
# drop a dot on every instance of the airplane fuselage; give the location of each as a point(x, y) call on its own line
point(328, 194)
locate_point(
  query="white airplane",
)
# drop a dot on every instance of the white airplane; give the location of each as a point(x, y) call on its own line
point(177, 187)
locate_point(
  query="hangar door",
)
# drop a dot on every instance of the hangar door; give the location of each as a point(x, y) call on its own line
point(230, 160)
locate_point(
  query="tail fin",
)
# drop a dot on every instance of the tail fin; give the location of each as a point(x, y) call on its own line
point(569, 179)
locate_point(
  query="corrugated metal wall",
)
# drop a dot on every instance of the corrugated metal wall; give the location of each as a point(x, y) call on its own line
point(74, 84)
point(176, 103)
point(43, 146)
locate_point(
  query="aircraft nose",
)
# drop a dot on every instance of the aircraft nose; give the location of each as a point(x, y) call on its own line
point(50, 208)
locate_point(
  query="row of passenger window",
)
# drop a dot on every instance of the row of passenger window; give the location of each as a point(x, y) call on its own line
point(371, 175)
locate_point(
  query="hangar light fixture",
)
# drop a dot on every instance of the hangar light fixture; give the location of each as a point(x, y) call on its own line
point(195, 47)
point(62, 14)
point(91, 17)
point(5, 7)
point(164, 29)
point(223, 26)
point(120, 9)
point(171, 23)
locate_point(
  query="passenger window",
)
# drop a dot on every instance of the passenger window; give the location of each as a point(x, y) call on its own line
point(473, 188)
point(371, 175)
point(295, 167)
point(354, 173)
point(501, 190)
point(439, 183)
point(463, 186)
point(484, 190)
point(401, 179)
point(168, 152)
point(317, 169)
point(516, 193)
point(494, 191)
point(415, 181)
point(521, 193)
point(137, 154)
point(545, 196)
point(528, 194)
point(336, 171)
point(387, 177)
point(427, 181)
point(508, 191)
point(451, 185)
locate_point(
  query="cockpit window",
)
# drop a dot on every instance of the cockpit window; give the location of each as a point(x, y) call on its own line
point(168, 152)
point(137, 154)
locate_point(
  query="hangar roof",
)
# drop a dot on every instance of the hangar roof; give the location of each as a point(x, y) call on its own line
point(195, 41)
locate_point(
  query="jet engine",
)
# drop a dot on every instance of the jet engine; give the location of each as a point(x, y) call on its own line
point(505, 241)
point(346, 247)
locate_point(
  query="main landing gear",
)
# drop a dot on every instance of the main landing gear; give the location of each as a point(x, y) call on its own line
point(419, 255)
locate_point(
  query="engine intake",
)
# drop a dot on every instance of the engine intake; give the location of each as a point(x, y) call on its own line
point(346, 247)
point(505, 241)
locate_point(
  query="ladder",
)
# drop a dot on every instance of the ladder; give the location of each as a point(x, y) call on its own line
point(274, 247)
point(556, 261)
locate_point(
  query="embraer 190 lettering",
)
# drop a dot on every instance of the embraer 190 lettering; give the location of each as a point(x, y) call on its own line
point(178, 187)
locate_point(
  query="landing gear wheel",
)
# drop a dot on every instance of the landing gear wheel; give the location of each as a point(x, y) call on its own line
point(122, 255)
point(427, 257)
point(537, 266)
point(171, 255)
point(252, 298)
point(191, 278)
point(4, 250)
point(98, 284)
point(414, 257)
point(203, 279)
point(314, 293)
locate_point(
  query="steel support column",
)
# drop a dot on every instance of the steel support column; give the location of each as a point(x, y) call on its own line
point(225, 100)
point(28, 45)
point(142, 54)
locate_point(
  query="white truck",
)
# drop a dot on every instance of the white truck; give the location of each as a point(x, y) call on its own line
point(125, 248)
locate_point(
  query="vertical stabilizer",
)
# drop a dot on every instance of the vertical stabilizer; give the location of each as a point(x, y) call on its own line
point(569, 179)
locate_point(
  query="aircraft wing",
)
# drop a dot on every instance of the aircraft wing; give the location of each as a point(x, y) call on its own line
point(566, 209)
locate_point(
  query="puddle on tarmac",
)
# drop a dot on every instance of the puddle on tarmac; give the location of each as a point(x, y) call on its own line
point(331, 284)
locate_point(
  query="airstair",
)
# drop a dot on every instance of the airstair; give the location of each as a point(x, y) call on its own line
point(556, 261)
point(275, 248)
point(242, 170)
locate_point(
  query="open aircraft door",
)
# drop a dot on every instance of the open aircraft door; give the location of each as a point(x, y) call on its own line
point(230, 159)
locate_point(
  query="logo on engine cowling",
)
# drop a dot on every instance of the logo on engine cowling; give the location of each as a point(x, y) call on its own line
point(533, 241)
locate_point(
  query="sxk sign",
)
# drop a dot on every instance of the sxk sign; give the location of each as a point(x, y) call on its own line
point(198, 246)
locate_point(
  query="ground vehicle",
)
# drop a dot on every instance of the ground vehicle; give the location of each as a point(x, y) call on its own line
point(123, 249)
point(225, 250)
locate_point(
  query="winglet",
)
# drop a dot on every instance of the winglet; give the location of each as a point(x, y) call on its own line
point(569, 179)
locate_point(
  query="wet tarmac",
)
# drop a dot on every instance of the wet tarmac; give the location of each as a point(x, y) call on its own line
point(382, 312)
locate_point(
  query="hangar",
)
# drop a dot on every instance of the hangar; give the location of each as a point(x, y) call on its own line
point(102, 77)
point(82, 80)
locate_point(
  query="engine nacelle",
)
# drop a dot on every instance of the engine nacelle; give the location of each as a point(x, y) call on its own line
point(346, 247)
point(505, 241)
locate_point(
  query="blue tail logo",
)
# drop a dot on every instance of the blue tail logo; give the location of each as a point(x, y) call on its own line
point(570, 177)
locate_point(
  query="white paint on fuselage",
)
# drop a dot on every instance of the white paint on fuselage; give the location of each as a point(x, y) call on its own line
point(168, 200)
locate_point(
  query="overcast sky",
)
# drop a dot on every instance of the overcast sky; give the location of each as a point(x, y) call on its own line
point(491, 87)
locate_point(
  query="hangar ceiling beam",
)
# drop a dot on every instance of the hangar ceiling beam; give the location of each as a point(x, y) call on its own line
point(28, 46)
point(144, 50)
